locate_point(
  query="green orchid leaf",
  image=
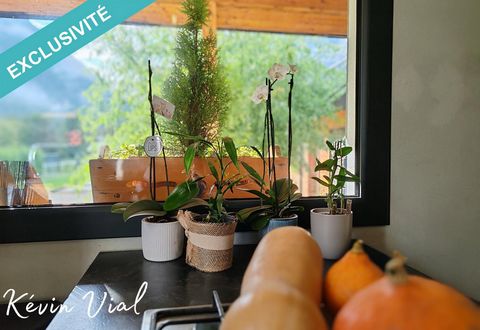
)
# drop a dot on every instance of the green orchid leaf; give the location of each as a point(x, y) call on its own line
point(219, 203)
point(231, 150)
point(325, 166)
point(281, 188)
point(342, 152)
point(348, 173)
point(254, 174)
point(232, 184)
point(194, 202)
point(136, 208)
point(323, 183)
point(214, 171)
point(289, 210)
point(345, 178)
point(295, 197)
point(119, 207)
point(260, 222)
point(188, 157)
point(247, 212)
point(330, 145)
point(258, 152)
point(259, 194)
point(181, 195)
point(146, 213)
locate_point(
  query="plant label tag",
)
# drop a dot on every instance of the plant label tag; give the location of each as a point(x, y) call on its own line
point(153, 146)
point(163, 107)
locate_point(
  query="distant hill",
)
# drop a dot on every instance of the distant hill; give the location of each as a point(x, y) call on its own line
point(59, 89)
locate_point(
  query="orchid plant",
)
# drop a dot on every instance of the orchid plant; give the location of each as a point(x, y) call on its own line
point(225, 152)
point(277, 195)
point(337, 176)
point(184, 196)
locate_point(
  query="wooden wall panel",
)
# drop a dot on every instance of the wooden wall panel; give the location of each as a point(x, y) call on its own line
point(320, 17)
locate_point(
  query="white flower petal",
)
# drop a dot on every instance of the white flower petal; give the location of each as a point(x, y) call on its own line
point(260, 94)
point(278, 71)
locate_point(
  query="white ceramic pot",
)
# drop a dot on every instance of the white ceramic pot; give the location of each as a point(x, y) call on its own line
point(332, 232)
point(162, 241)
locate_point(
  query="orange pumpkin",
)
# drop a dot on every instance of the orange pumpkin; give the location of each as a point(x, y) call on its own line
point(290, 256)
point(405, 302)
point(274, 307)
point(353, 272)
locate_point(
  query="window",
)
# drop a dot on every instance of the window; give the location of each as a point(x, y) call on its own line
point(62, 123)
point(60, 127)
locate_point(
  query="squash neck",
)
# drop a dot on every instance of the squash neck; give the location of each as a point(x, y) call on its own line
point(395, 269)
point(357, 247)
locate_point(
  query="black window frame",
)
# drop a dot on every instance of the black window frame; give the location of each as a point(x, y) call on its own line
point(373, 135)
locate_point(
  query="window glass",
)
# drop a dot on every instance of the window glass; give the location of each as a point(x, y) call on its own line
point(53, 128)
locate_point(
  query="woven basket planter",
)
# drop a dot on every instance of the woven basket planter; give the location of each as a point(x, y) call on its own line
point(209, 245)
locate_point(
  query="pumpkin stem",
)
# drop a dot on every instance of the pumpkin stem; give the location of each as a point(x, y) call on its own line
point(358, 246)
point(395, 268)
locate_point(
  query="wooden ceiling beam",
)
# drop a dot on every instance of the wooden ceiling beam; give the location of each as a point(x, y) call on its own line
point(318, 17)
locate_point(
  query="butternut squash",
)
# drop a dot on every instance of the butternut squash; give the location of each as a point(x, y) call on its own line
point(274, 307)
point(404, 302)
point(353, 272)
point(289, 256)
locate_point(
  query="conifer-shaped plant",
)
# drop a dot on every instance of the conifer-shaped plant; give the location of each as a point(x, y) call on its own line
point(197, 85)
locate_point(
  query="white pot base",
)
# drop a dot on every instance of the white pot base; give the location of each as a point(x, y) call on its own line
point(162, 241)
point(332, 232)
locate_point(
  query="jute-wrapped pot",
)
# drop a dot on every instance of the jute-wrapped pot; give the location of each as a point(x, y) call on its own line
point(209, 245)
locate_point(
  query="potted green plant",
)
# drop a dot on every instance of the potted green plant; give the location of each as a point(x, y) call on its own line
point(331, 227)
point(210, 232)
point(278, 194)
point(162, 234)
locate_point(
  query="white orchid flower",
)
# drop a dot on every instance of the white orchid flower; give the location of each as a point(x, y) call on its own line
point(278, 71)
point(293, 68)
point(260, 94)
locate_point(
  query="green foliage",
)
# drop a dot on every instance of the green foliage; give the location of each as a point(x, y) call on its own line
point(337, 176)
point(276, 202)
point(197, 84)
point(184, 196)
point(118, 112)
point(226, 155)
point(318, 84)
point(128, 150)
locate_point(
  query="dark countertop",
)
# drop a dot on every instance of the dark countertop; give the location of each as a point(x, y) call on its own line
point(118, 276)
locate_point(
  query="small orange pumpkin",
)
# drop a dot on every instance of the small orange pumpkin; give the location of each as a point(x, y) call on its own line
point(353, 272)
point(404, 302)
